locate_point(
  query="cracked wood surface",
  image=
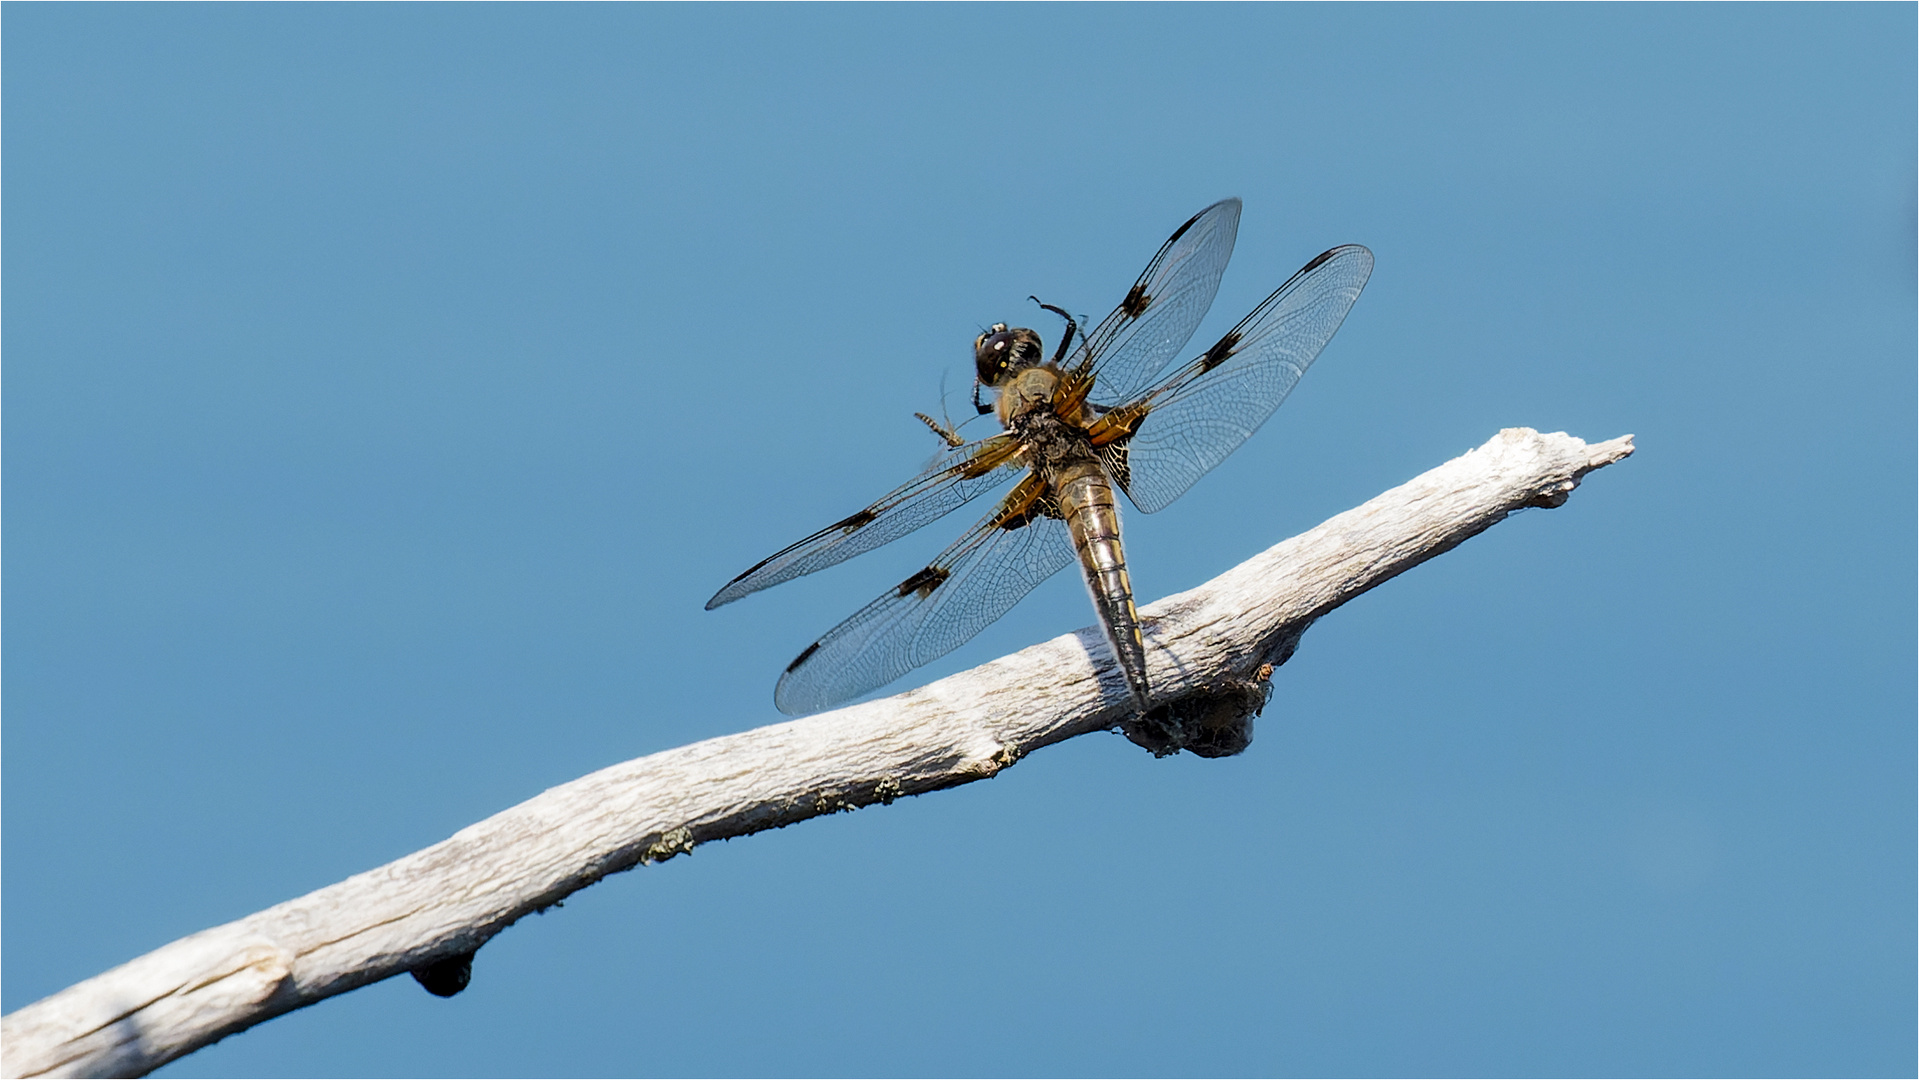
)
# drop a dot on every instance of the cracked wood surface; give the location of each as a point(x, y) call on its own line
point(447, 900)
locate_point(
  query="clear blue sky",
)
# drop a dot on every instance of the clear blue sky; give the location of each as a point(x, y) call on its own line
point(386, 388)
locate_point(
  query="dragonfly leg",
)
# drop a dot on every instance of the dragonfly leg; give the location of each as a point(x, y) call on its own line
point(1066, 339)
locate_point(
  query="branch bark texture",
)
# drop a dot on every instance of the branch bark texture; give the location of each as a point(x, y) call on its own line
point(428, 912)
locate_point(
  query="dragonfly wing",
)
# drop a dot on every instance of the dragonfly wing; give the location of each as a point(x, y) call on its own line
point(957, 477)
point(1162, 309)
point(1201, 415)
point(975, 581)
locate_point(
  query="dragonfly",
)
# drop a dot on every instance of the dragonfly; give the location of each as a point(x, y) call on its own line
point(1103, 416)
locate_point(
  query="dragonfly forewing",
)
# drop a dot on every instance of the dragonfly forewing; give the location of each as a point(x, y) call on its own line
point(1197, 418)
point(955, 478)
point(1163, 308)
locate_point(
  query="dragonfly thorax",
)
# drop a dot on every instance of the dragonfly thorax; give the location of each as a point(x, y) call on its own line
point(1027, 392)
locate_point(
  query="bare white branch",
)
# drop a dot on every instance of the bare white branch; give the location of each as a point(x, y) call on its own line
point(430, 910)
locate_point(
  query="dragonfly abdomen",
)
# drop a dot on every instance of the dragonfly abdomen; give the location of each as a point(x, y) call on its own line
point(1087, 504)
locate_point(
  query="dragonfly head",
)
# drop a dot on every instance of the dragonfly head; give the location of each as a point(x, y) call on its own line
point(1001, 352)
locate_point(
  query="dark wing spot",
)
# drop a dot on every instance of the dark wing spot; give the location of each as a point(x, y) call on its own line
point(1217, 355)
point(1317, 259)
point(1136, 302)
point(1119, 465)
point(1181, 231)
point(848, 524)
point(801, 658)
point(923, 583)
point(1044, 506)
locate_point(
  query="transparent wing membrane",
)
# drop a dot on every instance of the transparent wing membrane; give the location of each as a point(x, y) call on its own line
point(1162, 309)
point(931, 613)
point(1212, 405)
point(955, 478)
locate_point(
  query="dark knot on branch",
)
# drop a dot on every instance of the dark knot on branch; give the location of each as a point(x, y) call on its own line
point(1213, 721)
point(445, 978)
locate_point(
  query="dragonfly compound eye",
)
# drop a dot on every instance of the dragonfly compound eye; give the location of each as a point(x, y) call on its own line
point(1001, 352)
point(992, 356)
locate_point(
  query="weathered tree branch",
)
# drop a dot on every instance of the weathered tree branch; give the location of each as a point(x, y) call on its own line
point(1211, 650)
